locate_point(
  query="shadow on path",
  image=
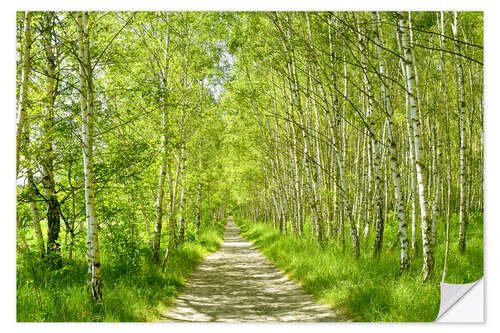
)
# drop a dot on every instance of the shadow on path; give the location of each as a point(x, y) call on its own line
point(237, 284)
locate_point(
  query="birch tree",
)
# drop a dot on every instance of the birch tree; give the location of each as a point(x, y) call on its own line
point(26, 57)
point(396, 178)
point(47, 163)
point(87, 108)
point(461, 111)
point(428, 264)
point(164, 153)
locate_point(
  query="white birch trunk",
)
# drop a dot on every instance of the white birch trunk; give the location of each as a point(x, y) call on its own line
point(463, 220)
point(33, 204)
point(412, 161)
point(182, 201)
point(198, 190)
point(164, 156)
point(428, 252)
point(160, 190)
point(171, 214)
point(87, 106)
point(47, 163)
point(375, 147)
point(396, 178)
point(26, 57)
point(448, 151)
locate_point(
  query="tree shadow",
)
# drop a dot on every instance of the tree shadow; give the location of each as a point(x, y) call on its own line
point(237, 284)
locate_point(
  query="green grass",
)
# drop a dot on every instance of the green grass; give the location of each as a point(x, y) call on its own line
point(369, 289)
point(131, 292)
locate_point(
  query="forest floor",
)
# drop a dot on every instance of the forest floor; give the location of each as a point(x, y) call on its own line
point(237, 283)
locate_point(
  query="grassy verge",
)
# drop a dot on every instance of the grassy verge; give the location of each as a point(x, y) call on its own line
point(367, 289)
point(132, 292)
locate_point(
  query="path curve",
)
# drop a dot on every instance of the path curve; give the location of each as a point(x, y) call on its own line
point(238, 284)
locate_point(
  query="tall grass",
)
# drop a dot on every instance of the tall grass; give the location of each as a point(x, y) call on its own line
point(133, 290)
point(370, 289)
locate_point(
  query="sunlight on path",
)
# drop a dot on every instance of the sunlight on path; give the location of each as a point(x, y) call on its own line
point(238, 284)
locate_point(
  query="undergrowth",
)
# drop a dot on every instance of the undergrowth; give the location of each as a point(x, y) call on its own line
point(134, 289)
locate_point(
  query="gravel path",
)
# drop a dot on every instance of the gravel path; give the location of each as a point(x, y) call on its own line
point(238, 284)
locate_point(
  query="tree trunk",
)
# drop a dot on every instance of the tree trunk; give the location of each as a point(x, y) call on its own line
point(428, 251)
point(396, 178)
point(164, 154)
point(24, 124)
point(375, 147)
point(53, 217)
point(87, 107)
point(198, 190)
point(160, 192)
point(462, 181)
point(26, 56)
point(182, 201)
point(171, 214)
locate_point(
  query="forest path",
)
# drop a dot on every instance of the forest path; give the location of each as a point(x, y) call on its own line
point(237, 284)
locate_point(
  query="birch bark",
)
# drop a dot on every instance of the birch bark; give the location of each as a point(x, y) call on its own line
point(428, 252)
point(396, 178)
point(198, 190)
point(26, 58)
point(47, 163)
point(463, 219)
point(375, 147)
point(164, 155)
point(87, 107)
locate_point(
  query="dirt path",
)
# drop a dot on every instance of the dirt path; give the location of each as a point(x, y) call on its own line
point(237, 284)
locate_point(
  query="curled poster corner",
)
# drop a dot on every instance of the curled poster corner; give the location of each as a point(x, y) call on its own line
point(465, 308)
